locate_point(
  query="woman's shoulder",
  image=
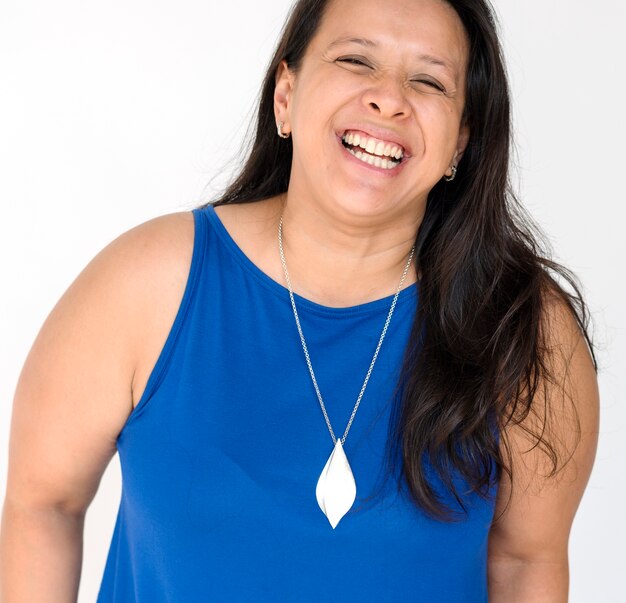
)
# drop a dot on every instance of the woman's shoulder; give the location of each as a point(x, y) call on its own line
point(145, 269)
point(126, 298)
point(157, 244)
point(142, 269)
point(150, 266)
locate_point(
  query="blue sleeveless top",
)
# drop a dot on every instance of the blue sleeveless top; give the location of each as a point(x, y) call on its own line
point(221, 456)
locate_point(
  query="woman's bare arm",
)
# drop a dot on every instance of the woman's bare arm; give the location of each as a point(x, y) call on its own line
point(528, 546)
point(85, 371)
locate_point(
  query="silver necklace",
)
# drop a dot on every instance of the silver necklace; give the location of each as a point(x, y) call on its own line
point(336, 488)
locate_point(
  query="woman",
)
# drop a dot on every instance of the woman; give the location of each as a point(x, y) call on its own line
point(368, 263)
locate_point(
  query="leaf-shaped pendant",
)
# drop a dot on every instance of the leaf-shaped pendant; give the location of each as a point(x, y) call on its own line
point(336, 488)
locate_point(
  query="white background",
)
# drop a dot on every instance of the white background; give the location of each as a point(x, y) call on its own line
point(113, 113)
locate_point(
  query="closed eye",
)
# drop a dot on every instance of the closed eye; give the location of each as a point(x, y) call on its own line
point(430, 84)
point(353, 61)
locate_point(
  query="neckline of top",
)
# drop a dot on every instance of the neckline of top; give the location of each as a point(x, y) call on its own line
point(374, 306)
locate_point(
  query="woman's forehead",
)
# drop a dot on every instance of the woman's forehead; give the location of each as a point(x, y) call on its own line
point(428, 27)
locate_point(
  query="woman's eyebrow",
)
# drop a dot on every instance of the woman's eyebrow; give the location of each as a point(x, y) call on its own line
point(353, 40)
point(428, 58)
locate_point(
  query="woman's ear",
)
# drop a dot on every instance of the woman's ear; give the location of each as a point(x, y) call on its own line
point(282, 95)
point(461, 145)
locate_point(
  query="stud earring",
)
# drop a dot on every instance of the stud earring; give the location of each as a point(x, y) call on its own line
point(279, 127)
point(452, 176)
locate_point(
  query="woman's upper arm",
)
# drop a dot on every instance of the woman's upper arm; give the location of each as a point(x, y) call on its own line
point(75, 390)
point(535, 525)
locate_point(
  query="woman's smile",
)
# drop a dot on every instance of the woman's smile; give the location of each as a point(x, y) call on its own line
point(380, 152)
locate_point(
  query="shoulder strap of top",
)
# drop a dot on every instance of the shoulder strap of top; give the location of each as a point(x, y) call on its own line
point(195, 270)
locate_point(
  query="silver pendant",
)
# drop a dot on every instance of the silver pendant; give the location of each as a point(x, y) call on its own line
point(336, 488)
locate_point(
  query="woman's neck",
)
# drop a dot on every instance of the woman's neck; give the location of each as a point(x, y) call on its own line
point(341, 264)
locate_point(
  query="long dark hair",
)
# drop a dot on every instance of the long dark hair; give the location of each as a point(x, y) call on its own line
point(477, 356)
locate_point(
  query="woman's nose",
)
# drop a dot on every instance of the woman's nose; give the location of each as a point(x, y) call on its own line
point(387, 98)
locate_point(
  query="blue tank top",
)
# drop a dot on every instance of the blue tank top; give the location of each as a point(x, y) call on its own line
point(221, 456)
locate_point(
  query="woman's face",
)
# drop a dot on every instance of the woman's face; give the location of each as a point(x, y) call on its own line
point(375, 109)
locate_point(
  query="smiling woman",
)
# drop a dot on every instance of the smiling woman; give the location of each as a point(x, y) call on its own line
point(394, 78)
point(355, 373)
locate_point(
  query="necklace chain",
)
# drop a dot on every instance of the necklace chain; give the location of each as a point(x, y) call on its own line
point(306, 351)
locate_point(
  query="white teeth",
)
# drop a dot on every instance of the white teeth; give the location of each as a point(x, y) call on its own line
point(387, 164)
point(374, 146)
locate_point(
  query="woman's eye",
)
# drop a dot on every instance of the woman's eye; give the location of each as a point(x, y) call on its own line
point(353, 61)
point(430, 84)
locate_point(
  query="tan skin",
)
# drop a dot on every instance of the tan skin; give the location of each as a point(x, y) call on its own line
point(91, 361)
